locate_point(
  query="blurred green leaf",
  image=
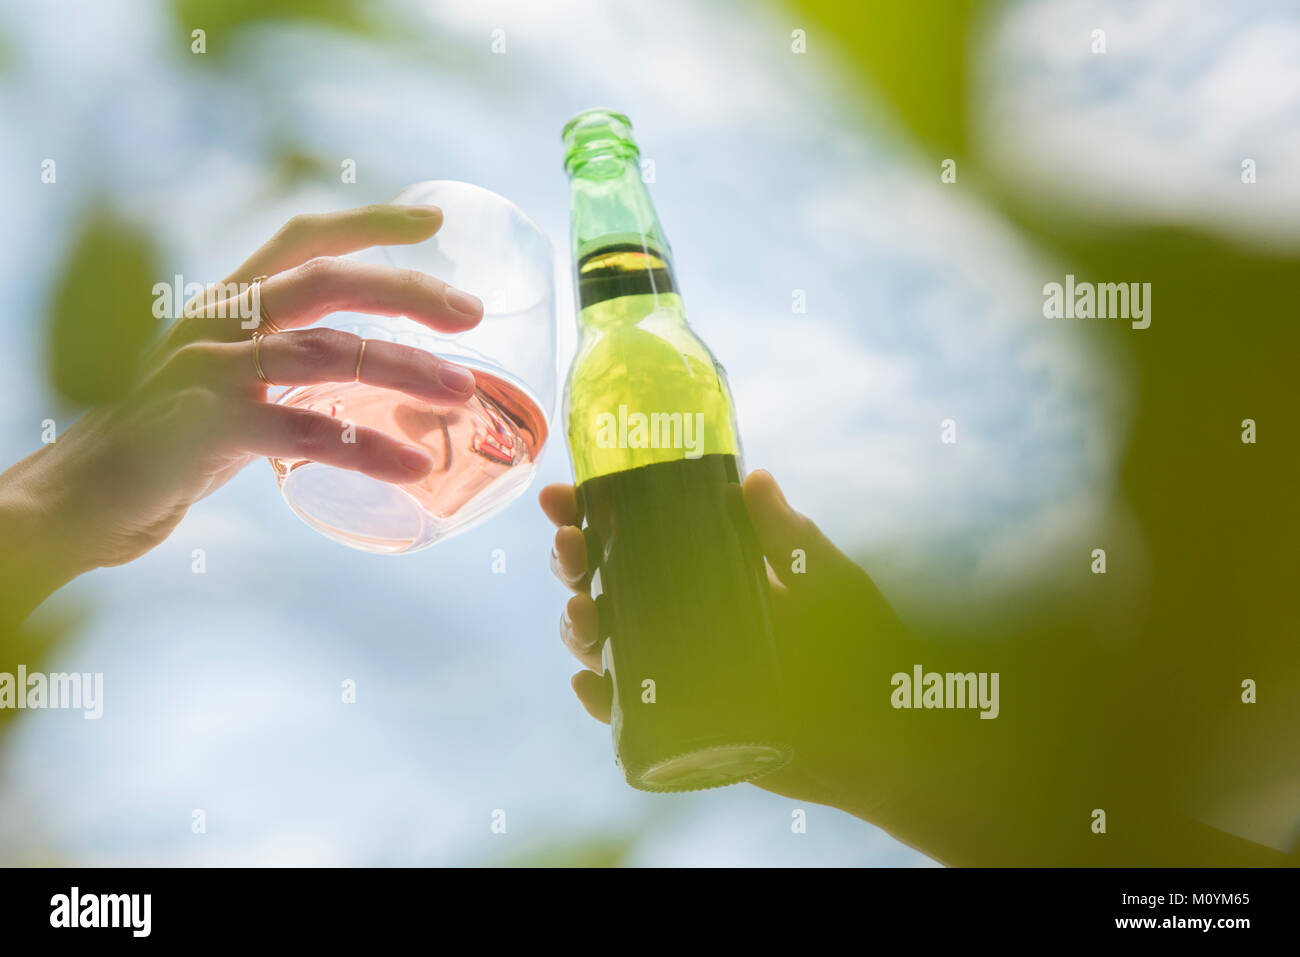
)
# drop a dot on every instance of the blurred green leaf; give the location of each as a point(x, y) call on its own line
point(220, 19)
point(602, 851)
point(914, 54)
point(101, 315)
point(293, 165)
point(35, 642)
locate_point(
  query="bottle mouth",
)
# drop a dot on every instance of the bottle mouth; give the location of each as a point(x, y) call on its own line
point(598, 132)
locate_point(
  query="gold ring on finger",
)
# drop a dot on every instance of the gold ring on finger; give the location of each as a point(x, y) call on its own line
point(361, 354)
point(265, 326)
point(258, 336)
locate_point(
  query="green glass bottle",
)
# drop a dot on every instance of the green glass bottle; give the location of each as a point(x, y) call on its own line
point(678, 576)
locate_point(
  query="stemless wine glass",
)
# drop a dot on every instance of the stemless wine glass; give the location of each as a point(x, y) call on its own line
point(485, 453)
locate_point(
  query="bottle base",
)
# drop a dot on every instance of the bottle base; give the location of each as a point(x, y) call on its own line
point(714, 766)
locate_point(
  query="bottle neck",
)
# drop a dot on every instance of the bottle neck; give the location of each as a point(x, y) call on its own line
point(619, 248)
point(609, 205)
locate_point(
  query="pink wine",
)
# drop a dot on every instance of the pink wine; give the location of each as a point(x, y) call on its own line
point(482, 451)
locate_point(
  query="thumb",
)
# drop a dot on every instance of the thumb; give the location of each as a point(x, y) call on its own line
point(793, 544)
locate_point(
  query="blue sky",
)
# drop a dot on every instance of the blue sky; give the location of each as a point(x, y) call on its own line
point(222, 689)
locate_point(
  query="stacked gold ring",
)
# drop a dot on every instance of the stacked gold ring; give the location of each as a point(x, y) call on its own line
point(265, 327)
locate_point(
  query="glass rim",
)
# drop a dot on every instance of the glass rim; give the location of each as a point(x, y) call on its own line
point(495, 315)
point(482, 189)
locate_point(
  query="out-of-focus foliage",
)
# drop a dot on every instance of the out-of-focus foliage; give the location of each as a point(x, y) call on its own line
point(34, 644)
point(914, 54)
point(602, 851)
point(101, 316)
point(293, 165)
point(1153, 710)
point(220, 19)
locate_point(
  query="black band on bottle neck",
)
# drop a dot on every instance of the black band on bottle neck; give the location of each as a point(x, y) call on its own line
point(623, 269)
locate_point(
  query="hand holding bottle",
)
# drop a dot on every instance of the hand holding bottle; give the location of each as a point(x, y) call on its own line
point(833, 632)
point(962, 791)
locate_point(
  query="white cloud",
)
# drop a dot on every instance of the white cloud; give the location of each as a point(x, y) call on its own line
point(1159, 124)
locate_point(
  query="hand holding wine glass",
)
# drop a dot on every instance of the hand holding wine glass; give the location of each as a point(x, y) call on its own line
point(485, 452)
point(116, 483)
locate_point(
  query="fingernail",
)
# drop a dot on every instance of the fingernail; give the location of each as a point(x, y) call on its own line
point(413, 459)
point(558, 570)
point(423, 212)
point(570, 638)
point(463, 302)
point(456, 378)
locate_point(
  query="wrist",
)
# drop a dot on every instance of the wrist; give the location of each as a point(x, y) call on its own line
point(36, 556)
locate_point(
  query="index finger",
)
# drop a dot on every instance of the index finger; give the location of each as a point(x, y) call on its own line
point(312, 235)
point(560, 503)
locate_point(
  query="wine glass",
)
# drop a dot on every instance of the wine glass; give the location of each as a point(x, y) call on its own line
point(485, 453)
